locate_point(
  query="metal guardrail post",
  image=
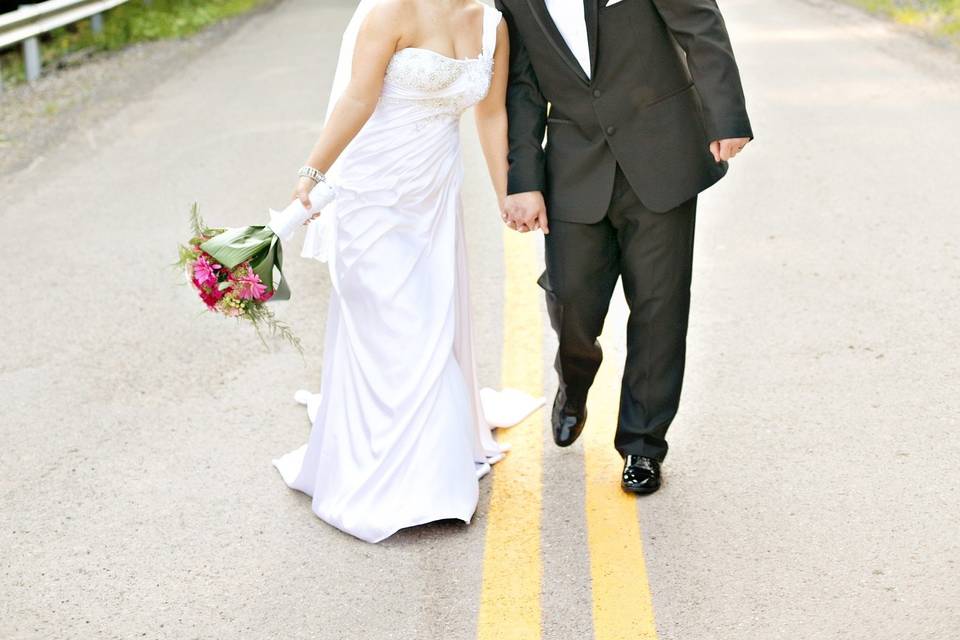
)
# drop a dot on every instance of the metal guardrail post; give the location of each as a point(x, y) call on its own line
point(27, 23)
point(31, 57)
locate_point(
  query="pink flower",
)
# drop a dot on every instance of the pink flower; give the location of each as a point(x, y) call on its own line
point(210, 297)
point(205, 271)
point(249, 287)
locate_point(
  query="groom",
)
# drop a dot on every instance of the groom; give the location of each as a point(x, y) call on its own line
point(642, 107)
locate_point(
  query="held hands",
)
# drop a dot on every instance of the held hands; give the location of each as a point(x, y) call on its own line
point(525, 212)
point(727, 149)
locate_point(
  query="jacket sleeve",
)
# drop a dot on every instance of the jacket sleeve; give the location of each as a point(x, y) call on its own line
point(701, 32)
point(527, 113)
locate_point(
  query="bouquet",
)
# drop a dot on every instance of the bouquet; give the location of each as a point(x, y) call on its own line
point(236, 271)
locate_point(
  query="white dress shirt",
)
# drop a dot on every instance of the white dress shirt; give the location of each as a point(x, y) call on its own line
point(569, 17)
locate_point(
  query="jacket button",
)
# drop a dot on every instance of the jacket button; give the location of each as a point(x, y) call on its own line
point(611, 131)
point(596, 93)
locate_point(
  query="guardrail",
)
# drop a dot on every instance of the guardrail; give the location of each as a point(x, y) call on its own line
point(29, 21)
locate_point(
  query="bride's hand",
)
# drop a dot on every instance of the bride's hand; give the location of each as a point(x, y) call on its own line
point(302, 193)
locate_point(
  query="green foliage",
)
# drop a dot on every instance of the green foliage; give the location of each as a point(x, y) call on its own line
point(939, 17)
point(134, 21)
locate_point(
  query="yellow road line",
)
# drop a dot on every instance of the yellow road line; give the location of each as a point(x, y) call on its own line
point(622, 605)
point(512, 566)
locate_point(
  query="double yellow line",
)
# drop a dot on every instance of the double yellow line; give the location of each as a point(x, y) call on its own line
point(510, 607)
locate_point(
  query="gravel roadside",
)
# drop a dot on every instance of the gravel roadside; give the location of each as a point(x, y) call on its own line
point(34, 118)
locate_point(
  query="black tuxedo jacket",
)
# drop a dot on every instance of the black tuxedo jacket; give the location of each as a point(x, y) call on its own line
point(664, 84)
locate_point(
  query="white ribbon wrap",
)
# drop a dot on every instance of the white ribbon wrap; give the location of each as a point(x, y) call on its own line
point(285, 223)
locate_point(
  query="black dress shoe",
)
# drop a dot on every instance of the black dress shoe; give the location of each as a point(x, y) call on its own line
point(568, 420)
point(641, 475)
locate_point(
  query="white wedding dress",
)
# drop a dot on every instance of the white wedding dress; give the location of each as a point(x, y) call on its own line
point(399, 433)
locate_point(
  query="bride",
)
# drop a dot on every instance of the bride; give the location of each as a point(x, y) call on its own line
point(400, 434)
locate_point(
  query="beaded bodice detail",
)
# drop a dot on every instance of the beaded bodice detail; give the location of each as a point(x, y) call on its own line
point(460, 82)
point(436, 86)
point(446, 86)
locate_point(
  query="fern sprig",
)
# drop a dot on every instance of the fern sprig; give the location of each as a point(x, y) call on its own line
point(265, 322)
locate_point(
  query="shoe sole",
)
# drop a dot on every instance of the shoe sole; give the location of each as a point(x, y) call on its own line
point(565, 444)
point(575, 438)
point(639, 492)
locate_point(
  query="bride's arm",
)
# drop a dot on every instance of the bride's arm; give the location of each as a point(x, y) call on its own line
point(491, 116)
point(377, 41)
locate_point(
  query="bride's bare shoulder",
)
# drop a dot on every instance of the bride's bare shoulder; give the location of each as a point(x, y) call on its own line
point(430, 8)
point(396, 12)
point(479, 6)
point(388, 19)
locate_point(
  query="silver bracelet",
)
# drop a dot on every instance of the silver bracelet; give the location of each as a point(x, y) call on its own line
point(306, 171)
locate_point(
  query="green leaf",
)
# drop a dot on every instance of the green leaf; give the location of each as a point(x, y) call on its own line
point(234, 246)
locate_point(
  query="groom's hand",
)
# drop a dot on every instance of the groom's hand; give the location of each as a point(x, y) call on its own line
point(727, 149)
point(526, 212)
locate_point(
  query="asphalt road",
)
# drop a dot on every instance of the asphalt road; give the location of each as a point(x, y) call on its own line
point(812, 487)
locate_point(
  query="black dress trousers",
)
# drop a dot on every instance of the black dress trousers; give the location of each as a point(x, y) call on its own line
point(653, 253)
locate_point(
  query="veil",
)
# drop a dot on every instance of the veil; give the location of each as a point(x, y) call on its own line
point(320, 232)
point(348, 45)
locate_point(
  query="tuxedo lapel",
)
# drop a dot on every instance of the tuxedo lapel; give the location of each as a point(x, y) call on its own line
point(591, 9)
point(540, 12)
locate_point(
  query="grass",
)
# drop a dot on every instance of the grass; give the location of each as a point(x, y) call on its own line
point(135, 21)
point(938, 17)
